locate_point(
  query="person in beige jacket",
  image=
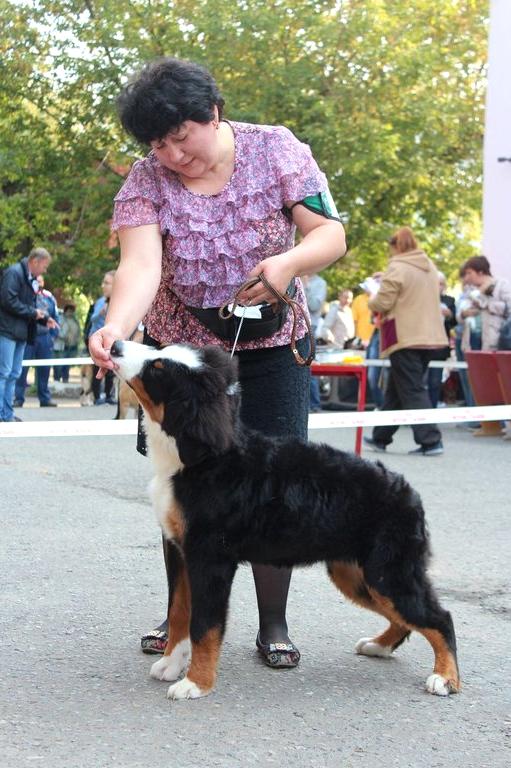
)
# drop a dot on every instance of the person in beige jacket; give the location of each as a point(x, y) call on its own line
point(411, 330)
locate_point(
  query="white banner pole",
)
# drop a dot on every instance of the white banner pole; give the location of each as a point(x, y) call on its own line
point(497, 143)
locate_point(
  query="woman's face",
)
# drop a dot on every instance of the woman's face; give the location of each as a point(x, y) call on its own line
point(191, 150)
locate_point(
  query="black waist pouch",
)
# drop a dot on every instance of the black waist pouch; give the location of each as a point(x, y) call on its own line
point(251, 328)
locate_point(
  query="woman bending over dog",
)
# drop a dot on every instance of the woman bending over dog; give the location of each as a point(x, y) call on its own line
point(216, 202)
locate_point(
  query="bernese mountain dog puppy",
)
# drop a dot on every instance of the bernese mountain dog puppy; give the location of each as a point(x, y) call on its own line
point(226, 495)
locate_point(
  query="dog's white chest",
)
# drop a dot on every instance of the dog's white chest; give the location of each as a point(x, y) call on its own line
point(162, 497)
point(165, 458)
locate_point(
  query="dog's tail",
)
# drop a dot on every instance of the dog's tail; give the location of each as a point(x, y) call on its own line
point(401, 551)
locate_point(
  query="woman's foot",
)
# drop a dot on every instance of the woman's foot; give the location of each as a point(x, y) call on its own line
point(155, 641)
point(278, 654)
point(273, 643)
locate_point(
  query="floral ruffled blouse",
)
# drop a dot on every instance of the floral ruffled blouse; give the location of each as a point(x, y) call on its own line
point(212, 242)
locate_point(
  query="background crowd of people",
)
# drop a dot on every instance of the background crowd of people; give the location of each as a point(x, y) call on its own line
point(408, 315)
point(475, 314)
point(32, 327)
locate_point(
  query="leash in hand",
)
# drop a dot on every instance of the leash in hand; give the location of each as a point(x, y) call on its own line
point(283, 298)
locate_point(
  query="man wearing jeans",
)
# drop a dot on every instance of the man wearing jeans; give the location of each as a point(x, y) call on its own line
point(18, 316)
point(41, 348)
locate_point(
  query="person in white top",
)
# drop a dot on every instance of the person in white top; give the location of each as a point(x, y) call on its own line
point(338, 325)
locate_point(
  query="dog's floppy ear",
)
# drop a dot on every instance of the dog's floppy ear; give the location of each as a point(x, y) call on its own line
point(220, 360)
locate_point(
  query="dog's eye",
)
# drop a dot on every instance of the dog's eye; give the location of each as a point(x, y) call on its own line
point(158, 364)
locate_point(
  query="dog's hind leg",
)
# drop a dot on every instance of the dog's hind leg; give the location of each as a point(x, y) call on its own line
point(422, 612)
point(210, 587)
point(349, 579)
point(177, 653)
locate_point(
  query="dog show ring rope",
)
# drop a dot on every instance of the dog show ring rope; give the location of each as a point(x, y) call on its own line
point(332, 420)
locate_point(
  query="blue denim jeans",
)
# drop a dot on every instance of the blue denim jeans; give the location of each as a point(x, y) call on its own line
point(41, 349)
point(315, 394)
point(374, 373)
point(11, 358)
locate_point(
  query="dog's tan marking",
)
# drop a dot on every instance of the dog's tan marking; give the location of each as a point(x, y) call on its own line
point(445, 663)
point(349, 578)
point(154, 412)
point(180, 611)
point(392, 636)
point(385, 606)
point(175, 523)
point(204, 663)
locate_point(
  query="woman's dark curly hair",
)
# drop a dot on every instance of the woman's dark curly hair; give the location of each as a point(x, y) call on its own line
point(163, 95)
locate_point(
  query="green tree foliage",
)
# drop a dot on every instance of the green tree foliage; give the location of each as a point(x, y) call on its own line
point(390, 96)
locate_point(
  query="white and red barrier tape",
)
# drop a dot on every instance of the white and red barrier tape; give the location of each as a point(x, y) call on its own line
point(326, 420)
point(57, 361)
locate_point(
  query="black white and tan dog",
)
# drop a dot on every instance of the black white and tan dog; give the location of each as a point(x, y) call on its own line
point(225, 495)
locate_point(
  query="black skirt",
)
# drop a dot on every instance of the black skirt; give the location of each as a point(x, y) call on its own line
point(274, 391)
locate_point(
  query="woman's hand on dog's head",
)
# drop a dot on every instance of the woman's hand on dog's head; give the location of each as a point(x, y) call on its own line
point(100, 344)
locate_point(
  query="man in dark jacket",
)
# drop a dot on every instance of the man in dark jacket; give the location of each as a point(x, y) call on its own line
point(41, 348)
point(18, 318)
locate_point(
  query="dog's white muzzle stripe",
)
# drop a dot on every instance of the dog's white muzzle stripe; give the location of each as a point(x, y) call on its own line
point(134, 356)
point(316, 421)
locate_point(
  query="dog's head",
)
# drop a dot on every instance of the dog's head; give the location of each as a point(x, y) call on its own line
point(191, 393)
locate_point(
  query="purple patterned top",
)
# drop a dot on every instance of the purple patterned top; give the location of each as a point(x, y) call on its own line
point(212, 242)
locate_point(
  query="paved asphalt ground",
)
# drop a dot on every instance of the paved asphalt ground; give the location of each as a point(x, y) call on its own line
point(82, 576)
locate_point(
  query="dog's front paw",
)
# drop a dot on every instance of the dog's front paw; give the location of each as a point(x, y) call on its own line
point(171, 666)
point(185, 689)
point(440, 686)
point(367, 647)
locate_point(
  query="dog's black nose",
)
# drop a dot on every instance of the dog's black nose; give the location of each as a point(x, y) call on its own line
point(116, 350)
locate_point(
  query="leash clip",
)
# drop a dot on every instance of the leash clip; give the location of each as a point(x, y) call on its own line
point(238, 332)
